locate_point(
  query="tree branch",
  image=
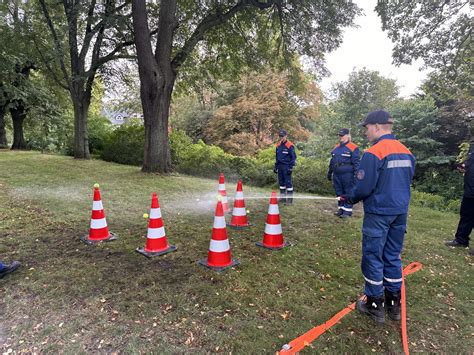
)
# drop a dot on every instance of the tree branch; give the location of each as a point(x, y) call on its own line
point(210, 21)
point(57, 43)
point(89, 33)
point(50, 69)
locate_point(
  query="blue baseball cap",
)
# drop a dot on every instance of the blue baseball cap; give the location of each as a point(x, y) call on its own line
point(379, 116)
point(282, 133)
point(343, 132)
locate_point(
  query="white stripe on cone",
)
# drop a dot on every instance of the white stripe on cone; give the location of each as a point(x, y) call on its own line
point(98, 223)
point(219, 246)
point(156, 233)
point(155, 213)
point(97, 206)
point(273, 229)
point(273, 209)
point(221, 187)
point(239, 211)
point(239, 195)
point(219, 222)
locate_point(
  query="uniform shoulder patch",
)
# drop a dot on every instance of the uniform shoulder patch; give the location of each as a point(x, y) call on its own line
point(360, 174)
point(288, 144)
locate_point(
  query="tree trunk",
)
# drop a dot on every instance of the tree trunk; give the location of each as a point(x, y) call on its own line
point(156, 114)
point(3, 131)
point(81, 101)
point(157, 79)
point(18, 116)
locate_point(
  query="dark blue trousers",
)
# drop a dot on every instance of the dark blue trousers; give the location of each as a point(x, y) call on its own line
point(382, 244)
point(466, 222)
point(343, 184)
point(284, 178)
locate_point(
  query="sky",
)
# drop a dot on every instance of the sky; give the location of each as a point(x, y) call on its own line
point(368, 46)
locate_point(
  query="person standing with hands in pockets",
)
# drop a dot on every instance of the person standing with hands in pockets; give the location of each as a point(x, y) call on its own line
point(285, 160)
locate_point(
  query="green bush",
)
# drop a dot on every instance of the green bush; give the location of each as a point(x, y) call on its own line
point(125, 144)
point(424, 199)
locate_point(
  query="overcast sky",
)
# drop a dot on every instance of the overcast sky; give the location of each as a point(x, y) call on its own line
point(368, 46)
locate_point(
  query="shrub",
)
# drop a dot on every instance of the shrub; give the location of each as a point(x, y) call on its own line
point(125, 144)
point(424, 199)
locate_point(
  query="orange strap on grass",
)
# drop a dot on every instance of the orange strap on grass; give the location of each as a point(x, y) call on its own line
point(307, 338)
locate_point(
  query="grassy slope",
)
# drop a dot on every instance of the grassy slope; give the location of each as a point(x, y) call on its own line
point(77, 298)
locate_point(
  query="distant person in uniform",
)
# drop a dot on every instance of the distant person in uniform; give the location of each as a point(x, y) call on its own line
point(342, 167)
point(466, 222)
point(383, 183)
point(285, 160)
point(6, 269)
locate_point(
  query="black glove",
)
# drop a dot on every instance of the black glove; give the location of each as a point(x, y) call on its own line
point(329, 176)
point(275, 170)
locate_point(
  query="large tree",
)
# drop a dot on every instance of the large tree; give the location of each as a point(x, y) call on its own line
point(229, 35)
point(97, 32)
point(437, 31)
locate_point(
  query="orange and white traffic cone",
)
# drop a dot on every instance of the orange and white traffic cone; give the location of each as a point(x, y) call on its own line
point(273, 235)
point(222, 192)
point(219, 256)
point(156, 242)
point(239, 213)
point(98, 232)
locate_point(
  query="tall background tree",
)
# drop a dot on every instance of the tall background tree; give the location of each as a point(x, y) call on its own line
point(97, 32)
point(228, 34)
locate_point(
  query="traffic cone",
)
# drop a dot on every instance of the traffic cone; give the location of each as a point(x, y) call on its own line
point(156, 242)
point(98, 232)
point(219, 257)
point(222, 192)
point(273, 235)
point(239, 213)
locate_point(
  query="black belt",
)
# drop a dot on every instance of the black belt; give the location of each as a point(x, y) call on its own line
point(342, 164)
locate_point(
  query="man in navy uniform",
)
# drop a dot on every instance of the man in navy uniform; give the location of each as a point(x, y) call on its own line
point(285, 161)
point(466, 222)
point(342, 167)
point(383, 183)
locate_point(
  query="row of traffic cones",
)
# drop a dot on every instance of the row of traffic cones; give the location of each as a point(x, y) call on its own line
point(219, 255)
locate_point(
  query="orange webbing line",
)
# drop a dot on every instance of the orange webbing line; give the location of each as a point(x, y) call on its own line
point(311, 335)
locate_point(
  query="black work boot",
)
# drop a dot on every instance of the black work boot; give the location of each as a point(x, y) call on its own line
point(289, 198)
point(282, 198)
point(9, 268)
point(339, 212)
point(393, 304)
point(373, 307)
point(455, 243)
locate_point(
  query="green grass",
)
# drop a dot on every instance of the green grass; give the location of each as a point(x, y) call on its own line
point(73, 298)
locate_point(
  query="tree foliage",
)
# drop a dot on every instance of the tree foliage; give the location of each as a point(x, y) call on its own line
point(265, 105)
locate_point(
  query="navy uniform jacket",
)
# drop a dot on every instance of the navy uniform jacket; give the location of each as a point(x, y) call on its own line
point(285, 154)
point(384, 177)
point(345, 159)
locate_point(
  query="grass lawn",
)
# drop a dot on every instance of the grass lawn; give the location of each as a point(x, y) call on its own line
point(73, 298)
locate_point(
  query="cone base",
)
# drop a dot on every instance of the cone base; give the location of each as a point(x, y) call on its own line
point(150, 254)
point(112, 237)
point(239, 226)
point(261, 245)
point(203, 262)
